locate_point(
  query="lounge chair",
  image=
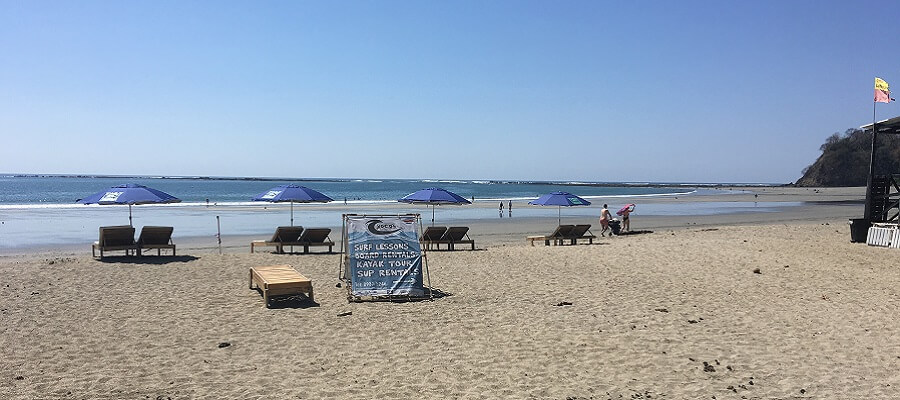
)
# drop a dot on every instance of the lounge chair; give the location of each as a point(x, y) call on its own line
point(156, 237)
point(558, 235)
point(581, 232)
point(432, 235)
point(316, 237)
point(456, 235)
point(283, 236)
point(280, 280)
point(113, 238)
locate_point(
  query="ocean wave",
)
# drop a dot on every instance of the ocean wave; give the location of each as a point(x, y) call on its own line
point(619, 196)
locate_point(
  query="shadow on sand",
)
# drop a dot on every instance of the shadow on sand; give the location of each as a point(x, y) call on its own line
point(298, 301)
point(634, 233)
point(157, 260)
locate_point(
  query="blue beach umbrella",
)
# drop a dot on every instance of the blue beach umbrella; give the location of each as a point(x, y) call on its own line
point(292, 194)
point(434, 196)
point(560, 199)
point(130, 194)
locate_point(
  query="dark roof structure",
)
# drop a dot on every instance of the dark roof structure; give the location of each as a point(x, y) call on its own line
point(886, 126)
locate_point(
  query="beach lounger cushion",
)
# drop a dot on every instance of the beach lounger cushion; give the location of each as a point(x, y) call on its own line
point(559, 234)
point(156, 237)
point(113, 238)
point(457, 235)
point(581, 232)
point(316, 237)
point(432, 236)
point(433, 233)
point(283, 236)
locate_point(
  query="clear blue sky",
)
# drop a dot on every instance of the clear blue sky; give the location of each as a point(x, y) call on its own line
point(703, 91)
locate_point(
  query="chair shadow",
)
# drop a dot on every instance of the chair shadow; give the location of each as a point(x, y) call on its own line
point(303, 254)
point(440, 294)
point(456, 250)
point(296, 301)
point(634, 233)
point(155, 260)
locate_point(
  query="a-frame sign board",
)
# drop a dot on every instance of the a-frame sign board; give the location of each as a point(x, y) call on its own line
point(382, 258)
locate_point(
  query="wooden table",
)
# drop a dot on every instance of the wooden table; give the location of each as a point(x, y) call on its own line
point(280, 280)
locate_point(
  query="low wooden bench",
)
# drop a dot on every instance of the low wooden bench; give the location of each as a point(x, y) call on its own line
point(280, 280)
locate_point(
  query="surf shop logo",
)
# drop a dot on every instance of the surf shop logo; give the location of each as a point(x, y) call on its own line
point(110, 197)
point(382, 228)
point(575, 201)
point(271, 194)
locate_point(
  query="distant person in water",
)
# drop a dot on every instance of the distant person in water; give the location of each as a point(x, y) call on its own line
point(626, 221)
point(605, 217)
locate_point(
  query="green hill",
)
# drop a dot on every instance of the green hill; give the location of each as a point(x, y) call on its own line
point(845, 159)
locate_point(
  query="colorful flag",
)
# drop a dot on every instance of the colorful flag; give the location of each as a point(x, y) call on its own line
point(882, 91)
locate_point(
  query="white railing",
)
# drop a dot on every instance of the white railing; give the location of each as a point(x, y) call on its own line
point(884, 236)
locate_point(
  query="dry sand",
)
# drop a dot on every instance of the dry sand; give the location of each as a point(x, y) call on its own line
point(730, 308)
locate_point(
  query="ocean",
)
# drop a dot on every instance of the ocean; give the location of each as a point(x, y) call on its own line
point(59, 190)
point(43, 210)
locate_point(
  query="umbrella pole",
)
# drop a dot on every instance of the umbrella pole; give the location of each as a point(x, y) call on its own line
point(558, 215)
point(219, 234)
point(292, 222)
point(129, 216)
point(432, 215)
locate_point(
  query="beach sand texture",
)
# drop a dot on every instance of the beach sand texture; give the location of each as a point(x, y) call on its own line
point(678, 314)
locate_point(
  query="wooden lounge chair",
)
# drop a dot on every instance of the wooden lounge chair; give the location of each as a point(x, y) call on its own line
point(581, 232)
point(316, 237)
point(280, 280)
point(432, 235)
point(283, 236)
point(457, 235)
point(113, 238)
point(557, 236)
point(156, 237)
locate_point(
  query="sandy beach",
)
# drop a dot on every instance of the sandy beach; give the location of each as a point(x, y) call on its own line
point(759, 306)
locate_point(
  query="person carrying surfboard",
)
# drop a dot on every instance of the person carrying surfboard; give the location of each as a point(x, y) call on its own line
point(625, 212)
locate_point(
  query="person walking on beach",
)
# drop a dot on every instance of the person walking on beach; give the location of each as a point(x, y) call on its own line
point(605, 217)
point(509, 209)
point(626, 223)
point(501, 209)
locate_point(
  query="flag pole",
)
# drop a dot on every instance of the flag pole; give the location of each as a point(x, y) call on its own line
point(871, 177)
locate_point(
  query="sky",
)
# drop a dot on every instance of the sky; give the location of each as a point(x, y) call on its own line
point(636, 91)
